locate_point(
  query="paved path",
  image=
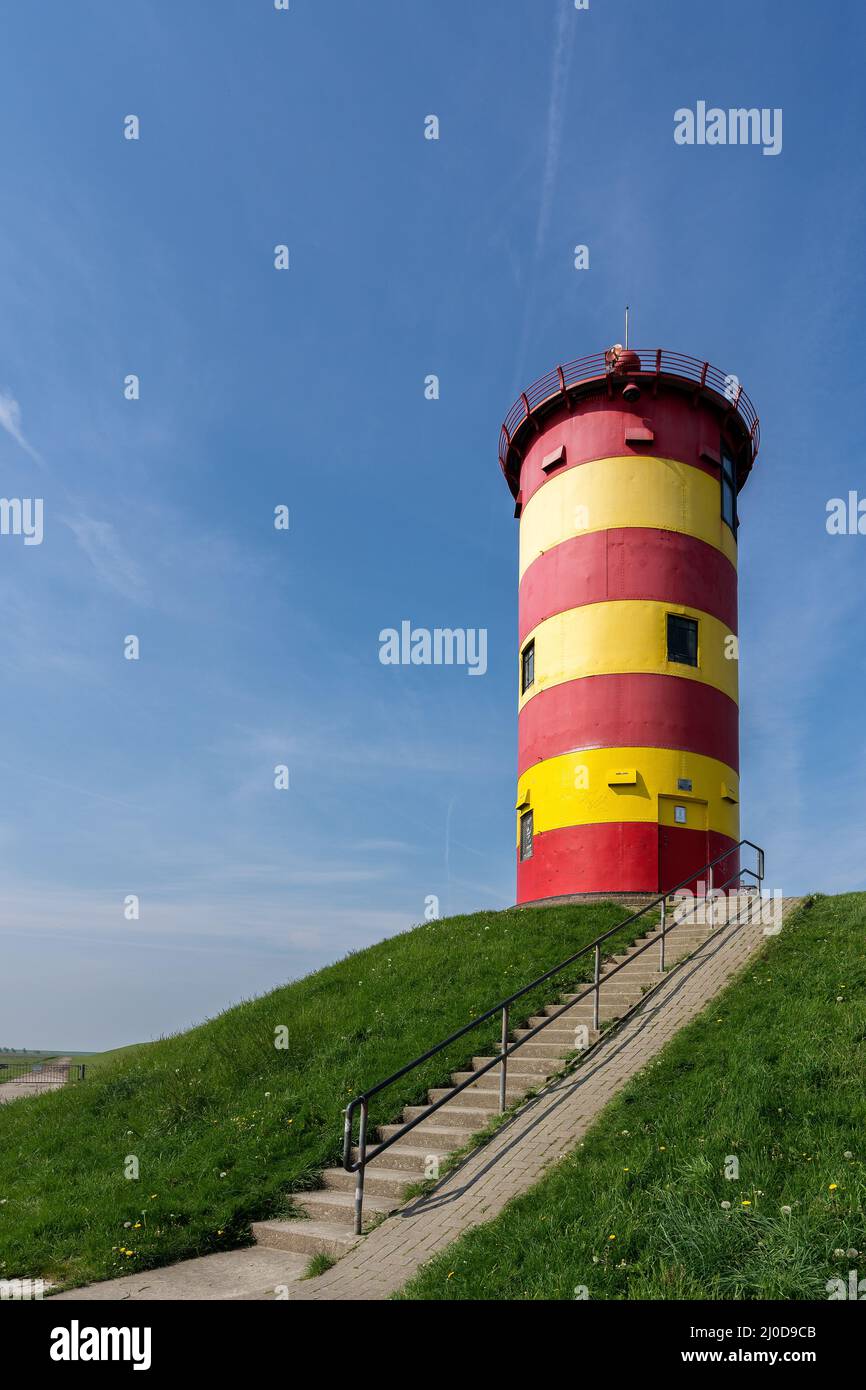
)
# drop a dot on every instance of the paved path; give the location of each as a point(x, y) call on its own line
point(540, 1133)
point(33, 1083)
point(544, 1130)
point(257, 1273)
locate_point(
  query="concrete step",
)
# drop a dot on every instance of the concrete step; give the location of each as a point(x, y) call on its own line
point(480, 1098)
point(339, 1207)
point(523, 1063)
point(581, 1013)
point(613, 990)
point(467, 1116)
point(379, 1181)
point(513, 1090)
point(434, 1139)
point(679, 934)
point(639, 971)
point(560, 1037)
point(551, 1052)
point(307, 1237)
point(406, 1157)
point(561, 1025)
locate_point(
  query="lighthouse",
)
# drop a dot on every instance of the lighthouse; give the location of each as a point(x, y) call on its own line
point(626, 468)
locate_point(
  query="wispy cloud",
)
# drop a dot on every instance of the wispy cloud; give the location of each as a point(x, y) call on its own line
point(10, 419)
point(112, 563)
point(562, 51)
point(563, 48)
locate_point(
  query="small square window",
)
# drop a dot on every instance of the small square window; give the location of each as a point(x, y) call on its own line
point(526, 835)
point(527, 667)
point(682, 640)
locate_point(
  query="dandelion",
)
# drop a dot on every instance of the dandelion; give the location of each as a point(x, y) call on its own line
point(838, 1254)
point(852, 1253)
point(726, 1206)
point(786, 1211)
point(832, 1187)
point(745, 1202)
point(847, 1154)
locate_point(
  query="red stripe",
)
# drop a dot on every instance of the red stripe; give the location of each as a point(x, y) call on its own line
point(621, 858)
point(596, 429)
point(629, 563)
point(634, 710)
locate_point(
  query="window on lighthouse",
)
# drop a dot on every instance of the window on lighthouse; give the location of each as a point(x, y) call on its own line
point(682, 640)
point(729, 492)
point(527, 667)
point(526, 835)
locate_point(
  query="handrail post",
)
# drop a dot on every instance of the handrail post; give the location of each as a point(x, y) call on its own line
point(760, 873)
point(596, 976)
point(347, 1136)
point(359, 1176)
point(503, 1065)
point(710, 876)
point(662, 939)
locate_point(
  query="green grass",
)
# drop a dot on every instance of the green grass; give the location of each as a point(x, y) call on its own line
point(772, 1074)
point(224, 1125)
point(319, 1264)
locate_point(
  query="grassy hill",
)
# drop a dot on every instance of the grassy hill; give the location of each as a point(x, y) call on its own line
point(223, 1125)
point(771, 1075)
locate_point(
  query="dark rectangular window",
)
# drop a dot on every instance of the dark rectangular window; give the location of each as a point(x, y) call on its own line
point(729, 491)
point(682, 640)
point(526, 835)
point(527, 666)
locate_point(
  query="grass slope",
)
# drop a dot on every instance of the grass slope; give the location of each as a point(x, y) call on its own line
point(771, 1074)
point(223, 1124)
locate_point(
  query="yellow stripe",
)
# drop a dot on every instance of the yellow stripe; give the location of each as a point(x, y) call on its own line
point(631, 491)
point(575, 789)
point(626, 635)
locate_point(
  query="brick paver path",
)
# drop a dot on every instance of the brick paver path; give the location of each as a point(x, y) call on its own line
point(542, 1131)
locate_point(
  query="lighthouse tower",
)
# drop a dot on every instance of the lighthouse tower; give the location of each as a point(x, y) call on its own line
point(625, 468)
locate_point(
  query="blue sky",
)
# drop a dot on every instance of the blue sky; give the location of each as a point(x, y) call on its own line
point(306, 388)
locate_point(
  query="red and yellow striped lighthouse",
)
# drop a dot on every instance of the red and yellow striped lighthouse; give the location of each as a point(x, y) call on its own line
point(625, 468)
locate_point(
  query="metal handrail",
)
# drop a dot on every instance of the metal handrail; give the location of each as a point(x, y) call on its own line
point(600, 366)
point(504, 1006)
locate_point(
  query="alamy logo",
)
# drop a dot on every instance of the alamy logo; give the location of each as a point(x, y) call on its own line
point(738, 126)
point(22, 516)
point(855, 1289)
point(715, 907)
point(846, 518)
point(438, 646)
point(21, 1289)
point(77, 1343)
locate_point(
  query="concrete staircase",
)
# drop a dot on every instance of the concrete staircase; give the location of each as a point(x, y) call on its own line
point(327, 1228)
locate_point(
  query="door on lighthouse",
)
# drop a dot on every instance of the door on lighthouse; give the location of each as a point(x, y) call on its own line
point(683, 841)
